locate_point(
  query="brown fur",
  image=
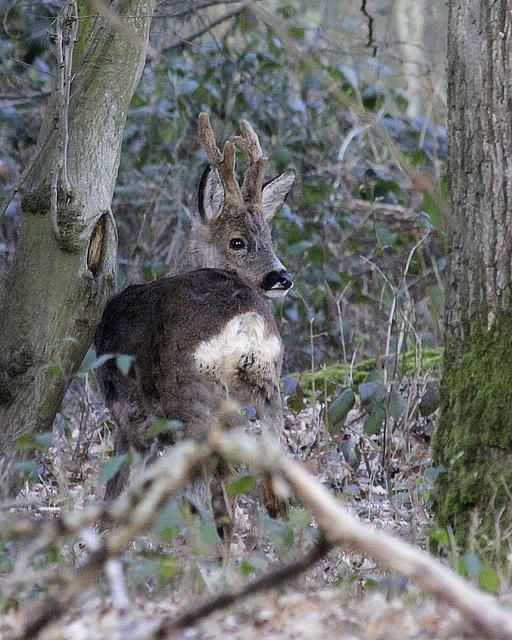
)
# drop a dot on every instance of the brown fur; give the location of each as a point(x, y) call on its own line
point(206, 334)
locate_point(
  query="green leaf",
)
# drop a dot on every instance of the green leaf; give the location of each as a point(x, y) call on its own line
point(385, 238)
point(432, 473)
point(91, 362)
point(28, 467)
point(298, 32)
point(350, 453)
point(168, 568)
point(371, 393)
point(163, 425)
point(44, 440)
point(246, 568)
point(397, 405)
point(374, 420)
point(401, 102)
point(124, 363)
point(440, 536)
point(170, 522)
point(316, 256)
point(430, 400)
point(112, 466)
point(209, 535)
point(489, 580)
point(41, 441)
point(240, 485)
point(338, 410)
point(296, 401)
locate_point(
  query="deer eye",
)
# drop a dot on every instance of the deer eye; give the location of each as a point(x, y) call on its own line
point(237, 244)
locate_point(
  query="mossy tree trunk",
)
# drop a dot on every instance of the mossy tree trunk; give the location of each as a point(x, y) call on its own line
point(474, 435)
point(64, 270)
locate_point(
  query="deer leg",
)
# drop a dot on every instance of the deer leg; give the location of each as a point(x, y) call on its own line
point(271, 415)
point(221, 507)
point(275, 505)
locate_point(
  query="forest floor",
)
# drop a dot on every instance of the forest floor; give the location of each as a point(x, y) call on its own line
point(346, 595)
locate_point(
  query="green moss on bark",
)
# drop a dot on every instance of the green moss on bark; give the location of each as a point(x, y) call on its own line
point(473, 439)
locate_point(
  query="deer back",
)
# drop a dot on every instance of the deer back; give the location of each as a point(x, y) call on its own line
point(194, 339)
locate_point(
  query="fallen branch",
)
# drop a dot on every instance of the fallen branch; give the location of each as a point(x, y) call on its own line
point(131, 514)
point(338, 527)
point(228, 597)
point(136, 510)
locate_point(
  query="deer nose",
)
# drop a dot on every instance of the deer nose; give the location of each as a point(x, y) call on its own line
point(277, 280)
point(285, 279)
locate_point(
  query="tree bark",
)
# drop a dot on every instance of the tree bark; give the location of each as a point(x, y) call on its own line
point(65, 263)
point(410, 21)
point(474, 435)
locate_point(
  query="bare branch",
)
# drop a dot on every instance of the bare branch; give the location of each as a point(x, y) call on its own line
point(371, 41)
point(66, 32)
point(228, 597)
point(184, 42)
point(338, 527)
point(138, 508)
point(132, 513)
point(182, 8)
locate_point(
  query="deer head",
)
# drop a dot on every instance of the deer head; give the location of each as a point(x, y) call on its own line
point(231, 229)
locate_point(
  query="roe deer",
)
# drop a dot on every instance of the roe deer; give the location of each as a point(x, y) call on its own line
point(206, 333)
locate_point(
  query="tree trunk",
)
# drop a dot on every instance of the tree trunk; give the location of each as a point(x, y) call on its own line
point(64, 269)
point(410, 21)
point(474, 436)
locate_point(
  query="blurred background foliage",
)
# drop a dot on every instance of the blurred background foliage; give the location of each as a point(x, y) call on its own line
point(330, 89)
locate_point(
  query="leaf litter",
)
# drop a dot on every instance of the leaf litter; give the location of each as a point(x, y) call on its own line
point(346, 595)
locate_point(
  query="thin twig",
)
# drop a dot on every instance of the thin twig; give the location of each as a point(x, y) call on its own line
point(228, 597)
point(136, 510)
point(35, 157)
point(193, 7)
point(179, 46)
point(131, 514)
point(371, 42)
point(340, 528)
point(66, 32)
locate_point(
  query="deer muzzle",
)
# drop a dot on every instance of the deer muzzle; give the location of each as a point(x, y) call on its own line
point(277, 283)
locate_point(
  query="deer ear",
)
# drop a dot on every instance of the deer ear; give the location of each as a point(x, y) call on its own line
point(274, 193)
point(211, 194)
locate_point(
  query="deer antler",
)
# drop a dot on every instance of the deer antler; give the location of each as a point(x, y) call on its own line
point(223, 161)
point(253, 179)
